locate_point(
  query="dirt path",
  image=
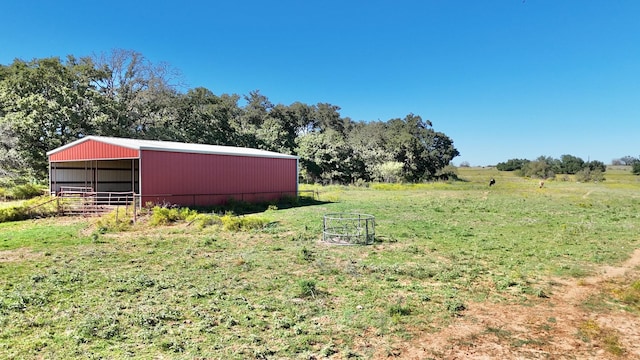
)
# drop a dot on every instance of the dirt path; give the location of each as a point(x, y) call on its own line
point(553, 328)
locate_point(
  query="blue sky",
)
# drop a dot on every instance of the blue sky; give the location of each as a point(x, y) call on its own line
point(503, 78)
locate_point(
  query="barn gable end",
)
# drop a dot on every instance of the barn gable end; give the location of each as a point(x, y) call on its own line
point(89, 149)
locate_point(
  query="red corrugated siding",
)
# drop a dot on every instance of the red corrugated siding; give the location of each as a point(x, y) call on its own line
point(205, 179)
point(94, 150)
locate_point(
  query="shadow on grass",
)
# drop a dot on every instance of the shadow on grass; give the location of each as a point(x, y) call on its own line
point(245, 208)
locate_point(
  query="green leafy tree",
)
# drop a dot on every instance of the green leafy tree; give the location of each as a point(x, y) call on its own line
point(422, 150)
point(326, 157)
point(139, 95)
point(596, 165)
point(570, 164)
point(306, 121)
point(368, 140)
point(328, 117)
point(47, 103)
point(12, 163)
point(203, 118)
point(390, 171)
point(279, 130)
point(251, 118)
point(512, 164)
point(541, 168)
point(635, 167)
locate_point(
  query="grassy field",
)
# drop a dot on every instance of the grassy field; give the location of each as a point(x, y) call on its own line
point(185, 291)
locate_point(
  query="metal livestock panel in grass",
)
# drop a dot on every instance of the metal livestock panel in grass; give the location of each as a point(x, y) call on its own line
point(209, 179)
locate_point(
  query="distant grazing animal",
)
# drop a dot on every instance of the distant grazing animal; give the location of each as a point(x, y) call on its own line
point(492, 182)
point(541, 183)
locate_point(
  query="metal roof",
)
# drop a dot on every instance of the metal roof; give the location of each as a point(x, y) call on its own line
point(138, 144)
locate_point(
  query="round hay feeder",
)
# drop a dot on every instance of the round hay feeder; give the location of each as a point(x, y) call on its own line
point(348, 229)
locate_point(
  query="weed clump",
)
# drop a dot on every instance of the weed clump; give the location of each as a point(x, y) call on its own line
point(306, 255)
point(98, 327)
point(229, 221)
point(38, 207)
point(399, 310)
point(114, 221)
point(308, 288)
point(242, 223)
point(629, 295)
point(590, 330)
point(161, 215)
point(455, 307)
point(23, 192)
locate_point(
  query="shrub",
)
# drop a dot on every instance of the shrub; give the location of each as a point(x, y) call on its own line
point(540, 169)
point(306, 255)
point(308, 288)
point(512, 164)
point(161, 215)
point(390, 171)
point(14, 213)
point(455, 307)
point(242, 223)
point(41, 206)
point(449, 172)
point(116, 220)
point(204, 220)
point(361, 183)
point(26, 191)
point(399, 310)
point(586, 175)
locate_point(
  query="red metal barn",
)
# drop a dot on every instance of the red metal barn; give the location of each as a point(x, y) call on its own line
point(170, 172)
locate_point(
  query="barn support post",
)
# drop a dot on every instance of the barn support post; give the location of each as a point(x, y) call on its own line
point(52, 178)
point(96, 177)
point(140, 178)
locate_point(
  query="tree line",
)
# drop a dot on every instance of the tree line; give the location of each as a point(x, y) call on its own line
point(545, 167)
point(46, 103)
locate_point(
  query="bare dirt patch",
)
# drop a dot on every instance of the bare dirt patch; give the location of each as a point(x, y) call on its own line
point(20, 254)
point(558, 327)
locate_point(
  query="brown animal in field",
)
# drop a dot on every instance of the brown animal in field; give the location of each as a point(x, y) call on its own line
point(492, 182)
point(541, 183)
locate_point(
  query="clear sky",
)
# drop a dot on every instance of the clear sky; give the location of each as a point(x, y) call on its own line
point(503, 78)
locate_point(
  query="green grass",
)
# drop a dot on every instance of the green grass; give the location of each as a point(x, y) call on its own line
point(42, 234)
point(189, 291)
